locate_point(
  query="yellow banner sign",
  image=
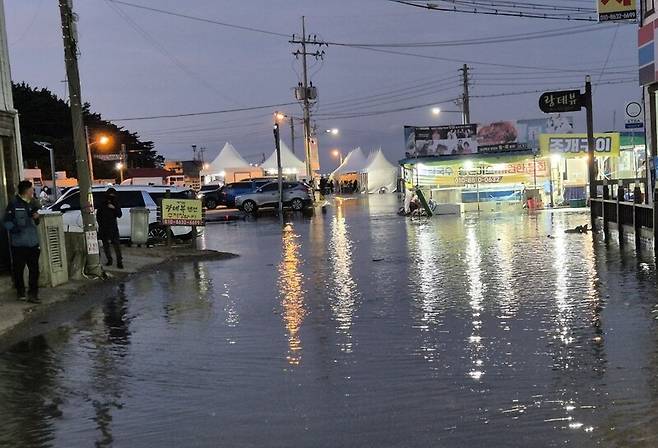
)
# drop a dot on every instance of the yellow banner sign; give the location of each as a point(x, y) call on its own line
point(617, 10)
point(575, 145)
point(460, 173)
point(182, 212)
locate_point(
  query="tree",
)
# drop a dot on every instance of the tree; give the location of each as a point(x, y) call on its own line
point(45, 117)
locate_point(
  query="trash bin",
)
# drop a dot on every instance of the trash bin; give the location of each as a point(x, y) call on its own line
point(139, 225)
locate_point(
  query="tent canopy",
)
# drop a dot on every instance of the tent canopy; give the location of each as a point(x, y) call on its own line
point(379, 174)
point(227, 159)
point(289, 162)
point(354, 162)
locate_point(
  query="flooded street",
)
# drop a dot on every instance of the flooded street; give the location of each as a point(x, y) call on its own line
point(357, 328)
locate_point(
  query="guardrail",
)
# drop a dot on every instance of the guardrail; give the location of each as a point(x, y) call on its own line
point(625, 214)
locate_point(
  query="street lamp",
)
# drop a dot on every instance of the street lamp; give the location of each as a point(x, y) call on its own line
point(280, 117)
point(339, 154)
point(101, 140)
point(436, 110)
point(51, 150)
point(119, 167)
point(332, 131)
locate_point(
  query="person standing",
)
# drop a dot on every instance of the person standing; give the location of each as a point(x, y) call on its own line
point(108, 229)
point(21, 220)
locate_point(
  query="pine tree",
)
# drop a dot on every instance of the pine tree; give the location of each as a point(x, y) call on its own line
point(45, 117)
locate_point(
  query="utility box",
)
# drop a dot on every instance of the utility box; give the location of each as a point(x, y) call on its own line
point(53, 265)
point(139, 225)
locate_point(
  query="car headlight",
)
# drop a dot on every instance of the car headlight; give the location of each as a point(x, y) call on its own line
point(200, 196)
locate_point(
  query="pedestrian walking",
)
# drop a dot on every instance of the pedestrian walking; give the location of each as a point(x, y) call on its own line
point(44, 196)
point(107, 214)
point(21, 220)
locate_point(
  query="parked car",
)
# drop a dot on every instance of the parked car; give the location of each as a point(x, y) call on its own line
point(296, 195)
point(229, 192)
point(211, 195)
point(129, 196)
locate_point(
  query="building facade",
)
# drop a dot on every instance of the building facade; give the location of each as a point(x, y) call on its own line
point(648, 66)
point(11, 159)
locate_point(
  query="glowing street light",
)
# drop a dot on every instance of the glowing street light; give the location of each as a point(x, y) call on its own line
point(119, 167)
point(339, 154)
point(332, 131)
point(436, 111)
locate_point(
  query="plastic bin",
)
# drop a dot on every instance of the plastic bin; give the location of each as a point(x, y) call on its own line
point(139, 225)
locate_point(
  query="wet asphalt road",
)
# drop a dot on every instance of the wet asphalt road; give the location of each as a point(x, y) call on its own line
point(357, 328)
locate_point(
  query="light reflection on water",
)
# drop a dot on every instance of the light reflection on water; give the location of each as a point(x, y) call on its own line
point(291, 281)
point(476, 295)
point(343, 291)
point(357, 328)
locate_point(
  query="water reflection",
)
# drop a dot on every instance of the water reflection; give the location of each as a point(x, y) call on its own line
point(343, 288)
point(29, 398)
point(476, 294)
point(291, 289)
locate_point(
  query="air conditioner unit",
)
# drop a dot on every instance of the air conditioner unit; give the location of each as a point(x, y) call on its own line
point(53, 265)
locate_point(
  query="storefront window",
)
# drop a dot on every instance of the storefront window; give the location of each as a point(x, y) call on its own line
point(648, 7)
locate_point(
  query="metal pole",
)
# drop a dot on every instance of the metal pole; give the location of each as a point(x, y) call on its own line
point(550, 177)
point(591, 161)
point(93, 262)
point(277, 142)
point(477, 183)
point(292, 134)
point(52, 170)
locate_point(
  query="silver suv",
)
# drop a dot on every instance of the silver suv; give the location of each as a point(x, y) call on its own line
point(296, 195)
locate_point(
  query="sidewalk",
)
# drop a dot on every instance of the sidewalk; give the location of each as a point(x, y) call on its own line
point(136, 260)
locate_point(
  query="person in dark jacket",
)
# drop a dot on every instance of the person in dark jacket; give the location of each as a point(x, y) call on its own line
point(107, 214)
point(21, 220)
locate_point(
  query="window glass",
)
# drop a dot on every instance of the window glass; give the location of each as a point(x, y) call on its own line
point(648, 5)
point(130, 199)
point(73, 200)
point(270, 187)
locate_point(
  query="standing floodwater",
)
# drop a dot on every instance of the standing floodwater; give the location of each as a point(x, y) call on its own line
point(357, 328)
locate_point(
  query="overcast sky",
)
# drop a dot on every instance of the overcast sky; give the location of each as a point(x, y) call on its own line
point(138, 63)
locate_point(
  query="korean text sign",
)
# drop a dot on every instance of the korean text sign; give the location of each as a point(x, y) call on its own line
point(182, 212)
point(576, 144)
point(617, 10)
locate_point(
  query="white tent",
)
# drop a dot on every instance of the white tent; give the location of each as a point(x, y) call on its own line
point(227, 159)
point(379, 175)
point(290, 164)
point(354, 162)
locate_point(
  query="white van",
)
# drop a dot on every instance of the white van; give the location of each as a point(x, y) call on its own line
point(128, 196)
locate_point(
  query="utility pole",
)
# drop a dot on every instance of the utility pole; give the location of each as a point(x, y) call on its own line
point(69, 35)
point(466, 107)
point(305, 91)
point(292, 134)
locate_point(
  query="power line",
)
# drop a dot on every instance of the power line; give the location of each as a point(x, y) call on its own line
point(200, 19)
point(195, 114)
point(163, 50)
point(560, 32)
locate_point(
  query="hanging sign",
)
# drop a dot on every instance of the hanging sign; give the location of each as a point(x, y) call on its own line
point(576, 144)
point(634, 115)
point(561, 101)
point(617, 10)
